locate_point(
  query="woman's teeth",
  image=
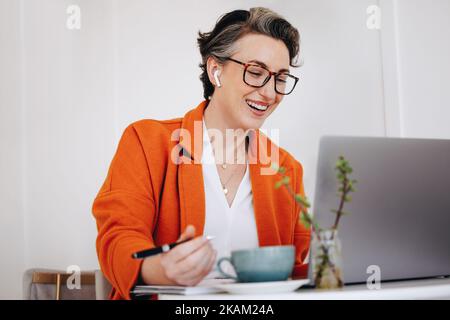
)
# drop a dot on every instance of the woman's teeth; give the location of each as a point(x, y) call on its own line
point(257, 106)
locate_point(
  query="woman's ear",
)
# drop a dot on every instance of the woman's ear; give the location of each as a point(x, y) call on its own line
point(214, 70)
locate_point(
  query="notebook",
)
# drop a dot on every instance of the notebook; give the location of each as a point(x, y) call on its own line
point(206, 286)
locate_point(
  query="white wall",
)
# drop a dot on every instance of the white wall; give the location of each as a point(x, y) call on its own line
point(424, 65)
point(12, 241)
point(66, 95)
point(69, 90)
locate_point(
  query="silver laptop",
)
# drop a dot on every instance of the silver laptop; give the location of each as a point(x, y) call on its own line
point(400, 213)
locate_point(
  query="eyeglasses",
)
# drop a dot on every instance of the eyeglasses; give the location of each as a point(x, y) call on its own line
point(257, 76)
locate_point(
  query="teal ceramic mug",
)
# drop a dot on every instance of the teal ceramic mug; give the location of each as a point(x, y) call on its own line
point(261, 264)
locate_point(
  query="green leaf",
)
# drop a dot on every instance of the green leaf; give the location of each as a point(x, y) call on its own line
point(286, 179)
point(304, 220)
point(278, 184)
point(302, 200)
point(317, 227)
point(298, 197)
point(339, 163)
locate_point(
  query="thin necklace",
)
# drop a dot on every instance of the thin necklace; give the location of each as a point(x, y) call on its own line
point(224, 166)
point(224, 185)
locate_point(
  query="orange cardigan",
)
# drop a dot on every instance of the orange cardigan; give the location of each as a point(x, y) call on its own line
point(147, 199)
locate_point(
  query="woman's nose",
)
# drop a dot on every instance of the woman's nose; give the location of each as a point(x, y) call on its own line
point(268, 90)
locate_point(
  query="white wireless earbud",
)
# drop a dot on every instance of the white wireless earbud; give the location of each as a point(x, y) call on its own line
point(216, 77)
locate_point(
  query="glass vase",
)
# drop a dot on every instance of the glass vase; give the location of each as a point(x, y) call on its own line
point(327, 259)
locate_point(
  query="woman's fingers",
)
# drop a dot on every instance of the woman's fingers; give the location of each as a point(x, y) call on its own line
point(188, 233)
point(208, 266)
point(212, 262)
point(183, 250)
point(189, 263)
point(203, 264)
point(197, 262)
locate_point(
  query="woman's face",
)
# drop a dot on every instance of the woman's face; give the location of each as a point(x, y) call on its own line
point(235, 95)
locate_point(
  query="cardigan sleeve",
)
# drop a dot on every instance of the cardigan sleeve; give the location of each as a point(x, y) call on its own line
point(302, 235)
point(125, 214)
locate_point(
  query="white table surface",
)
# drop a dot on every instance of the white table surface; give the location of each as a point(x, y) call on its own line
point(438, 288)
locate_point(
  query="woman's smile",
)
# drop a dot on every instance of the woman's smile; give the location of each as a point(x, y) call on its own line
point(258, 108)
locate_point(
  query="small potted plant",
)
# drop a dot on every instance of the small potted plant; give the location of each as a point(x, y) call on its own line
point(326, 257)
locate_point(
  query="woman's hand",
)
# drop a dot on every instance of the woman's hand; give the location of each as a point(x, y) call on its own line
point(186, 264)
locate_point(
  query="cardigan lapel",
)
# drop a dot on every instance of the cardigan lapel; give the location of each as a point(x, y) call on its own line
point(263, 188)
point(190, 178)
point(190, 174)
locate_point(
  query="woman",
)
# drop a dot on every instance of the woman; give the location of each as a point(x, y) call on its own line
point(182, 179)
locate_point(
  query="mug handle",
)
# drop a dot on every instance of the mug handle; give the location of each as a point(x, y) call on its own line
point(228, 276)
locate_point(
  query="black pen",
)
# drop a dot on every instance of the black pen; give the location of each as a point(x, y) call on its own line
point(154, 251)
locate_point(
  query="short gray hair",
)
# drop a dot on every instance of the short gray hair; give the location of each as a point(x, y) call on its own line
point(219, 43)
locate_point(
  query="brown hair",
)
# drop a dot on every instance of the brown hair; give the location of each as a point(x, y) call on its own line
point(219, 43)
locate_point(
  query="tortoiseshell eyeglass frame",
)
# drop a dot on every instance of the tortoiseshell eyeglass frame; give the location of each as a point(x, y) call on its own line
point(271, 73)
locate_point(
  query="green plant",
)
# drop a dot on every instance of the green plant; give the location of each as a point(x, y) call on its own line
point(327, 273)
point(346, 186)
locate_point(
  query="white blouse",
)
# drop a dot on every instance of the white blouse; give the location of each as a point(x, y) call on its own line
point(234, 227)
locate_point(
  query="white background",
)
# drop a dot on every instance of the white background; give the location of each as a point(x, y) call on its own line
point(66, 96)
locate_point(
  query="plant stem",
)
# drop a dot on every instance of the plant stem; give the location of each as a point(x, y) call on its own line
point(345, 191)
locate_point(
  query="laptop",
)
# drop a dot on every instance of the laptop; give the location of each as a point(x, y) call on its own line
point(399, 216)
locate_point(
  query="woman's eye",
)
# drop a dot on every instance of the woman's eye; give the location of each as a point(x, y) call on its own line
point(281, 80)
point(255, 73)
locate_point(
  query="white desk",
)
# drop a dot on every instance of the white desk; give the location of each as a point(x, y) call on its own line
point(416, 289)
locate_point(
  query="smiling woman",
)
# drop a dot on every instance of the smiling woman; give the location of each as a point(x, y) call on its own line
point(150, 199)
point(249, 50)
